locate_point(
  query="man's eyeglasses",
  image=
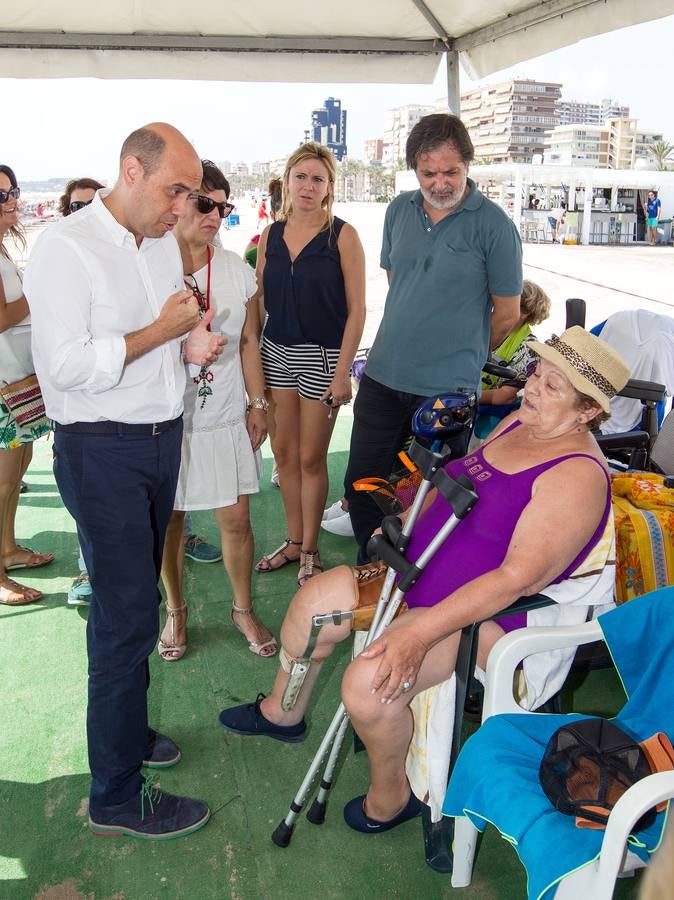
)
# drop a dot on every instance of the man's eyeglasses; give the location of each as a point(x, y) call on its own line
point(13, 192)
point(78, 204)
point(205, 205)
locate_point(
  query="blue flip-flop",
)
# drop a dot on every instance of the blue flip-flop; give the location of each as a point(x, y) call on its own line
point(356, 817)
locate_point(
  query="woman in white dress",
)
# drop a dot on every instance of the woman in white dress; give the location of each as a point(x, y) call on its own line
point(16, 362)
point(222, 432)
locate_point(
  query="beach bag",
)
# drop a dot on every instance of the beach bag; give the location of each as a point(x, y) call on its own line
point(644, 520)
point(24, 401)
point(589, 764)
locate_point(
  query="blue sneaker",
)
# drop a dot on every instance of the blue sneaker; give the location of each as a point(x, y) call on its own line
point(150, 815)
point(80, 591)
point(199, 551)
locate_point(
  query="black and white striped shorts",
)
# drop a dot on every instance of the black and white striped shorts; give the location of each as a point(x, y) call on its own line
point(306, 368)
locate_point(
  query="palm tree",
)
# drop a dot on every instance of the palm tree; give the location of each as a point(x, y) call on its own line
point(661, 152)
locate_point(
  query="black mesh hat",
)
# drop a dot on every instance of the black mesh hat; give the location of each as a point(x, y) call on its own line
point(587, 766)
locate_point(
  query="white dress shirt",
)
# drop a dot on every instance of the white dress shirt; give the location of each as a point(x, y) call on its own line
point(88, 285)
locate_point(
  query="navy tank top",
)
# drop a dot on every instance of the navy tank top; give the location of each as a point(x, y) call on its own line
point(305, 299)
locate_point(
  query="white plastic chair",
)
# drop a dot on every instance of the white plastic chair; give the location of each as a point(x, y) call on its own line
point(596, 880)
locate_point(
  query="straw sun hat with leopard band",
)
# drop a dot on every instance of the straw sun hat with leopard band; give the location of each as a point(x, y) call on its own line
point(591, 366)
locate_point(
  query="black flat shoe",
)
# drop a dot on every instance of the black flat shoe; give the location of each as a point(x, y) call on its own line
point(248, 720)
point(356, 817)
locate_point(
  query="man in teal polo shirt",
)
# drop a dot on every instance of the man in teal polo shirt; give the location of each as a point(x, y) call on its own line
point(454, 264)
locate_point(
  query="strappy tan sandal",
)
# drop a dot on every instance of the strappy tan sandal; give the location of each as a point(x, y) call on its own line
point(264, 565)
point(256, 647)
point(311, 564)
point(173, 652)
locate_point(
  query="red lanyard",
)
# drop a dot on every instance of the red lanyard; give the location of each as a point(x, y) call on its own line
point(205, 303)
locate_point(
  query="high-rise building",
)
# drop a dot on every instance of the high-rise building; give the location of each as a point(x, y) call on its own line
point(576, 112)
point(397, 126)
point(328, 127)
point(578, 145)
point(626, 144)
point(617, 144)
point(374, 149)
point(509, 122)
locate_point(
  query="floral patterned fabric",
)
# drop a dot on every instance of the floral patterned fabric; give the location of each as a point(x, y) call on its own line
point(12, 435)
point(644, 518)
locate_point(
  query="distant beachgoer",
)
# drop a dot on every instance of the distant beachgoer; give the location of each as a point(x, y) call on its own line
point(262, 214)
point(653, 207)
point(16, 362)
point(311, 270)
point(555, 221)
point(275, 191)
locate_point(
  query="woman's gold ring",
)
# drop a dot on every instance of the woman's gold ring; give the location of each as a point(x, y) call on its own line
point(406, 685)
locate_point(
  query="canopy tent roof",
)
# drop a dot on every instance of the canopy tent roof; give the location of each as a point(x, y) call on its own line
point(399, 41)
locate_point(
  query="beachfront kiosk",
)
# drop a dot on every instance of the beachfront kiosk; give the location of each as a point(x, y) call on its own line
point(604, 206)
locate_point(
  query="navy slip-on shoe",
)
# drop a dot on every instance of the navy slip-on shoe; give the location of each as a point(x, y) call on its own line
point(248, 720)
point(161, 751)
point(356, 817)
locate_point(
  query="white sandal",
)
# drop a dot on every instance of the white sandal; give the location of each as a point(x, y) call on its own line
point(255, 647)
point(173, 652)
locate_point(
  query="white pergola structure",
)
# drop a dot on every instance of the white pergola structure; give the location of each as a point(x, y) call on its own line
point(394, 41)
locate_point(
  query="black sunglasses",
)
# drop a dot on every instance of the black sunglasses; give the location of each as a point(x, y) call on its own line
point(12, 192)
point(205, 205)
point(79, 204)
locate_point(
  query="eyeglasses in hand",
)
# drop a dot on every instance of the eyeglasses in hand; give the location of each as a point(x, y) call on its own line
point(205, 206)
point(12, 192)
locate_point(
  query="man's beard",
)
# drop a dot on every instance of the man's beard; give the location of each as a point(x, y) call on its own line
point(447, 203)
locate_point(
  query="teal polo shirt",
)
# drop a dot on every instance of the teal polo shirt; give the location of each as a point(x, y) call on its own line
point(434, 334)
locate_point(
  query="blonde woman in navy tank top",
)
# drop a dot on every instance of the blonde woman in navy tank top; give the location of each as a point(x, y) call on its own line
point(311, 273)
point(544, 503)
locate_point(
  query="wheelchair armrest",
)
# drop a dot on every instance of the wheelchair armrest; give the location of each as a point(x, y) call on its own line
point(646, 391)
point(508, 652)
point(624, 440)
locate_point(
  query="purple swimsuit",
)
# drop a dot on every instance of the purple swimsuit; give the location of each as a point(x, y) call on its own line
point(480, 542)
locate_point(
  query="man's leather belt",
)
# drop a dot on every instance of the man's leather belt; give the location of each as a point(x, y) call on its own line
point(118, 427)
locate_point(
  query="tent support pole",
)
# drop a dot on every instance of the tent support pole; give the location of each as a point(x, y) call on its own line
point(453, 82)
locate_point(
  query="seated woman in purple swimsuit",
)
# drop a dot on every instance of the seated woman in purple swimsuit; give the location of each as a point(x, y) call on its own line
point(544, 500)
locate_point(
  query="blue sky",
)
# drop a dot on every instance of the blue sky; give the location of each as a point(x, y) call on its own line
point(76, 126)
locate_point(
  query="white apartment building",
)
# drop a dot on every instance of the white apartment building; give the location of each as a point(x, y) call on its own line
point(616, 145)
point(397, 126)
point(509, 122)
point(577, 112)
point(578, 145)
point(626, 144)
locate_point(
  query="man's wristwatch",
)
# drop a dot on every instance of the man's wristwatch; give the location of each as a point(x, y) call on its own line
point(257, 403)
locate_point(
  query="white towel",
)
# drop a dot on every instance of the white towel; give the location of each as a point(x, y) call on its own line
point(645, 340)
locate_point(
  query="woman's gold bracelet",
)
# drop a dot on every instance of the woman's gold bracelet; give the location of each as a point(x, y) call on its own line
point(257, 403)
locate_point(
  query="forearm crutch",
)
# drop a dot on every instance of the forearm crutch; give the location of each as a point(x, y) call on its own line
point(390, 546)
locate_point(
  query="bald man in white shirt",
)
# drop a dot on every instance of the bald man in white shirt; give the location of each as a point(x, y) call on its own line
point(112, 327)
